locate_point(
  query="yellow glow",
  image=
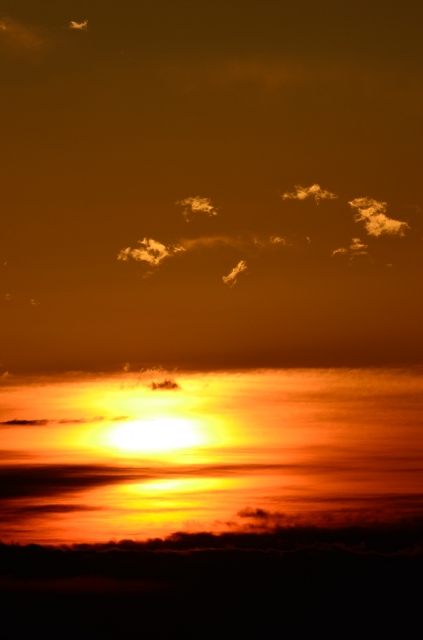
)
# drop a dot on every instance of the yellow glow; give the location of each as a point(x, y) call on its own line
point(159, 434)
point(178, 485)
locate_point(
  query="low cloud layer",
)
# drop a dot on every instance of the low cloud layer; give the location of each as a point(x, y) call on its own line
point(230, 279)
point(151, 251)
point(372, 213)
point(315, 191)
point(194, 205)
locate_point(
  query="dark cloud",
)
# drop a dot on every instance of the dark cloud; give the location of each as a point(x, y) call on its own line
point(42, 509)
point(30, 481)
point(14, 512)
point(25, 423)
point(45, 422)
point(261, 514)
point(165, 385)
point(240, 585)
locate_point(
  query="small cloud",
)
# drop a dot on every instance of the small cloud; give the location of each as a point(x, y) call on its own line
point(80, 26)
point(8, 296)
point(278, 240)
point(5, 375)
point(151, 251)
point(34, 303)
point(195, 205)
point(372, 213)
point(356, 249)
point(166, 385)
point(315, 191)
point(230, 280)
point(126, 366)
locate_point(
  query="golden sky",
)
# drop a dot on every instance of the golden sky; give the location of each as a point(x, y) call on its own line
point(125, 456)
point(210, 184)
point(211, 311)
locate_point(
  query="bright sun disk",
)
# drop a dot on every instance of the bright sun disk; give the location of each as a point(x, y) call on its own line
point(159, 434)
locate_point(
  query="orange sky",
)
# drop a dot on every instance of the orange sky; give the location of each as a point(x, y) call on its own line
point(175, 136)
point(224, 200)
point(88, 459)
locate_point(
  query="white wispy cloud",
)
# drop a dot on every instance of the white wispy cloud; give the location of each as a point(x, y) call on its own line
point(150, 251)
point(82, 26)
point(195, 205)
point(372, 213)
point(210, 242)
point(315, 191)
point(230, 279)
point(356, 249)
point(250, 244)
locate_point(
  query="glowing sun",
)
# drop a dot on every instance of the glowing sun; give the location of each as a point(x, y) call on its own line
point(159, 434)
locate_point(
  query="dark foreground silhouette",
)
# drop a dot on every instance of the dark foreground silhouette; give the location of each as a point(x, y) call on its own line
point(282, 584)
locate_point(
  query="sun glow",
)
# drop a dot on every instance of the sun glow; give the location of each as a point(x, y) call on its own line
point(156, 435)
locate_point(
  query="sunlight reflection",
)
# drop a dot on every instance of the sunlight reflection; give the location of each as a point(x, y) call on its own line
point(179, 485)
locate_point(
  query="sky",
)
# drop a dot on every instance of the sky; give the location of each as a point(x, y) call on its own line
point(210, 185)
point(139, 456)
point(211, 234)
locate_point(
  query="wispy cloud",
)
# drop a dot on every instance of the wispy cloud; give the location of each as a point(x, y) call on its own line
point(19, 38)
point(81, 26)
point(230, 279)
point(246, 243)
point(356, 249)
point(34, 303)
point(372, 213)
point(315, 191)
point(210, 242)
point(151, 251)
point(195, 205)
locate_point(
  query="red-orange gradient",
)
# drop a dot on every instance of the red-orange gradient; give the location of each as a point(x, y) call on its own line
point(90, 458)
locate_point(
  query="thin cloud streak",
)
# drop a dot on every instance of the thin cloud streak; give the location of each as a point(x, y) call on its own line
point(231, 279)
point(19, 38)
point(16, 422)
